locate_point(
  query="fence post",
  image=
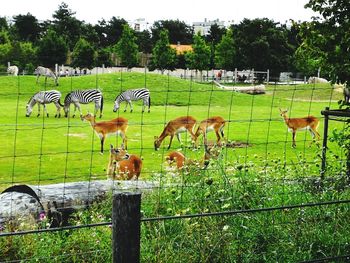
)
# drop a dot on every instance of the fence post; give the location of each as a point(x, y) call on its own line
point(324, 144)
point(126, 219)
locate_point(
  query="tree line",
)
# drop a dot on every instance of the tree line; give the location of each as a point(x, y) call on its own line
point(258, 43)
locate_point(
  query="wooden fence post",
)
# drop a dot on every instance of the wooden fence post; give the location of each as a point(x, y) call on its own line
point(126, 227)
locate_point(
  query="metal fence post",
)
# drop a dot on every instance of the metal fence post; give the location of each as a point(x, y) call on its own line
point(126, 227)
point(324, 145)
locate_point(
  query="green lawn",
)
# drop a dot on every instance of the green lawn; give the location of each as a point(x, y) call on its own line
point(51, 150)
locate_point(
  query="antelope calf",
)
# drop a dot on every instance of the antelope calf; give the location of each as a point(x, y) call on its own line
point(175, 127)
point(216, 124)
point(211, 151)
point(122, 165)
point(117, 126)
point(309, 123)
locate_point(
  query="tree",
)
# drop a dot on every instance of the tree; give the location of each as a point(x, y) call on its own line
point(83, 55)
point(104, 56)
point(215, 35)
point(143, 40)
point(52, 49)
point(23, 54)
point(109, 32)
point(199, 58)
point(262, 44)
point(163, 56)
point(335, 40)
point(26, 28)
point(66, 25)
point(178, 31)
point(225, 55)
point(126, 48)
point(3, 23)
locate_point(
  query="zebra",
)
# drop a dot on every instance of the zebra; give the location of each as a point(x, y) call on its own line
point(45, 97)
point(83, 96)
point(12, 70)
point(133, 94)
point(42, 71)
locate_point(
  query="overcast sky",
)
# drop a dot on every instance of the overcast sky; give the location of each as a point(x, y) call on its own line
point(152, 10)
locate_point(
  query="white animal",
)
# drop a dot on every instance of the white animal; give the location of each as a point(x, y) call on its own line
point(313, 80)
point(12, 70)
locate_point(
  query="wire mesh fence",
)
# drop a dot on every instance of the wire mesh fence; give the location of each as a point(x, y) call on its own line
point(249, 197)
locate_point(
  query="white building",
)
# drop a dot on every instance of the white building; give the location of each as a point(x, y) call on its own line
point(204, 27)
point(139, 24)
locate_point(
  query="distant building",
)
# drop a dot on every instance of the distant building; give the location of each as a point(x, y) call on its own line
point(204, 27)
point(181, 49)
point(139, 24)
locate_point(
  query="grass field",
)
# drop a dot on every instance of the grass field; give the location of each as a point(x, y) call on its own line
point(52, 150)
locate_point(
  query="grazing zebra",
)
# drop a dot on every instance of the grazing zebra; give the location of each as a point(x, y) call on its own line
point(84, 96)
point(12, 70)
point(41, 71)
point(133, 94)
point(45, 97)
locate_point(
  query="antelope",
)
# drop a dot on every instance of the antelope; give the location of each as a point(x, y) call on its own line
point(216, 124)
point(122, 165)
point(175, 127)
point(309, 123)
point(117, 126)
point(211, 152)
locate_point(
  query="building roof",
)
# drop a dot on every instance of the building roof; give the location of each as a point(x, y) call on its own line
point(181, 49)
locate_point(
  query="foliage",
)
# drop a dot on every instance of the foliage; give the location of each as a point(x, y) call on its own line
point(199, 58)
point(178, 31)
point(126, 48)
point(26, 28)
point(335, 36)
point(262, 44)
point(104, 57)
point(66, 25)
point(83, 55)
point(163, 56)
point(110, 32)
point(52, 49)
point(225, 53)
point(23, 55)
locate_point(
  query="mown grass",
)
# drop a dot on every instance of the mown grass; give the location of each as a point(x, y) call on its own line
point(267, 174)
point(50, 150)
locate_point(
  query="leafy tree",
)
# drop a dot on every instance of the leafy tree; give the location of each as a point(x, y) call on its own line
point(225, 55)
point(199, 58)
point(163, 56)
point(3, 23)
point(52, 49)
point(335, 40)
point(26, 28)
point(143, 40)
point(5, 47)
point(110, 32)
point(262, 44)
point(23, 54)
point(83, 55)
point(104, 56)
point(215, 35)
point(179, 31)
point(66, 25)
point(126, 48)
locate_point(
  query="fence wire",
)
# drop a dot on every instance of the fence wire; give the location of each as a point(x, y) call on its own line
point(255, 178)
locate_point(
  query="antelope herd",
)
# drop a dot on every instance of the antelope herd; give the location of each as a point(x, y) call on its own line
point(123, 165)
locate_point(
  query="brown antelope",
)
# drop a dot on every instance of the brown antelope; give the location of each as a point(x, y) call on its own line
point(216, 124)
point(309, 123)
point(122, 165)
point(175, 127)
point(104, 128)
point(211, 152)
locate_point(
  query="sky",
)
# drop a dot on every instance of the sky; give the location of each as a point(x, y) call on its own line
point(152, 10)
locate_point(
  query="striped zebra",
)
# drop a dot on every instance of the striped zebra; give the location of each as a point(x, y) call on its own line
point(12, 70)
point(44, 97)
point(48, 73)
point(133, 94)
point(83, 96)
